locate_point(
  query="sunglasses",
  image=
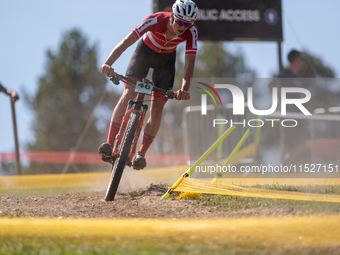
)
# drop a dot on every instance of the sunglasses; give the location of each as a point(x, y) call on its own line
point(182, 23)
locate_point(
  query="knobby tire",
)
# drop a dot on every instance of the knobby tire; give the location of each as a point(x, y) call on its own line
point(122, 156)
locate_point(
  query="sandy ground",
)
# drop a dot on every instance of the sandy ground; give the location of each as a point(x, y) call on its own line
point(143, 203)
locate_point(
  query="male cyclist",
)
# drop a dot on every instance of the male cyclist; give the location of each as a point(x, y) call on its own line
point(161, 33)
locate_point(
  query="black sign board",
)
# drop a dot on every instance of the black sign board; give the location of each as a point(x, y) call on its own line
point(235, 20)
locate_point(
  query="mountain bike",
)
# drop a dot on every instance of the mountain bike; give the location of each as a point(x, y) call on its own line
point(125, 144)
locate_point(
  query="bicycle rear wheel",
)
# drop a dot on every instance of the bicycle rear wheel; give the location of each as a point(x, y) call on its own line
point(122, 156)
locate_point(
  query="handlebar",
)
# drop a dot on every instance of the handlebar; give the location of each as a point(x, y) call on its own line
point(167, 93)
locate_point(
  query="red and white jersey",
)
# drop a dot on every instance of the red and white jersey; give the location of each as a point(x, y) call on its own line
point(154, 28)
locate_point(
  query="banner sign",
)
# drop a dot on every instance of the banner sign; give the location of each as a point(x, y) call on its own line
point(235, 20)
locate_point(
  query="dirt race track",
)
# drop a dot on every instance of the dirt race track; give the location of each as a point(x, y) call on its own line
point(140, 204)
point(142, 216)
point(65, 217)
point(143, 202)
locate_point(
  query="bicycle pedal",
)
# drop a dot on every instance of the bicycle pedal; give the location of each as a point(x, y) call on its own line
point(106, 159)
point(136, 168)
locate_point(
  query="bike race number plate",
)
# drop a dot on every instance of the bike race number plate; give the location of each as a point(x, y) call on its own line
point(143, 88)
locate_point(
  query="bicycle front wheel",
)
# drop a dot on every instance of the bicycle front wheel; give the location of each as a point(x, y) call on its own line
point(122, 156)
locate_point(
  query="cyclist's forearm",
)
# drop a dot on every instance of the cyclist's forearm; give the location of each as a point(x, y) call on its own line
point(120, 48)
point(188, 71)
point(115, 54)
point(187, 75)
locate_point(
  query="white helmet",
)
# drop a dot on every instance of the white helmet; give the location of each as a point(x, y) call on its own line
point(185, 9)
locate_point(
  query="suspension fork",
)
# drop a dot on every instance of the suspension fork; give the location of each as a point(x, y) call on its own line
point(121, 131)
point(137, 134)
point(136, 105)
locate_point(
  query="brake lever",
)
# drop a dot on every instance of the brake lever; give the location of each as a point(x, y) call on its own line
point(170, 94)
point(115, 80)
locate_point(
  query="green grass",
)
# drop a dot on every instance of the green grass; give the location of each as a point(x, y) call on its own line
point(79, 249)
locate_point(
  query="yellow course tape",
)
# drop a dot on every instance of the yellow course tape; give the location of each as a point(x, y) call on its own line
point(152, 175)
point(281, 181)
point(52, 180)
point(224, 186)
point(203, 186)
point(97, 179)
point(199, 161)
point(296, 231)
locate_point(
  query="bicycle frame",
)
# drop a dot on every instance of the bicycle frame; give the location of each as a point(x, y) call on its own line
point(134, 105)
point(130, 129)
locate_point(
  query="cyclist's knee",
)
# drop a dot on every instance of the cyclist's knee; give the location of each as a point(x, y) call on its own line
point(129, 90)
point(129, 93)
point(157, 110)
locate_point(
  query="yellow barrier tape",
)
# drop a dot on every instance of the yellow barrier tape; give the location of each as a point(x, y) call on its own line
point(52, 180)
point(203, 186)
point(281, 181)
point(177, 183)
point(97, 179)
point(296, 231)
point(199, 161)
point(189, 194)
